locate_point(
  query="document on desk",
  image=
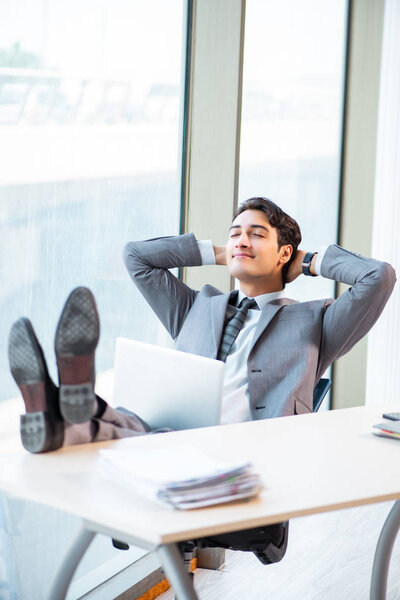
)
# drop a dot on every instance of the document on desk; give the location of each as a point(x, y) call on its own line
point(389, 429)
point(183, 477)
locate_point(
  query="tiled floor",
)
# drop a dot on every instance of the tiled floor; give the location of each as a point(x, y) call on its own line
point(329, 557)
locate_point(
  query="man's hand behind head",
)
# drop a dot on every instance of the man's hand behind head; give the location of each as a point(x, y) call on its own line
point(220, 255)
point(295, 267)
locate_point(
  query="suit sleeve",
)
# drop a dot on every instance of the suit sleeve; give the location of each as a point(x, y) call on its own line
point(350, 317)
point(148, 263)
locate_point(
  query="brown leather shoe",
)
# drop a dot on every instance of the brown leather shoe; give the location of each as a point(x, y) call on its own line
point(76, 339)
point(42, 427)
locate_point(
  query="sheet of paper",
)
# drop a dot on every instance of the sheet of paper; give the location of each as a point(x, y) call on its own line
point(178, 464)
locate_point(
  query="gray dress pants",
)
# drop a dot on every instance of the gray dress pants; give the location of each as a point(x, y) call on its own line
point(114, 424)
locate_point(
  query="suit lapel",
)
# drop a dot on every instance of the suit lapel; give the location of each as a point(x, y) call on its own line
point(268, 313)
point(219, 306)
point(218, 309)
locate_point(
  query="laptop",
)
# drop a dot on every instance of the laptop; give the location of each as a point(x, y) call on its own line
point(167, 388)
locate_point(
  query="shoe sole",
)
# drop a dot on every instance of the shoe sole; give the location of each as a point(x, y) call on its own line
point(26, 362)
point(76, 339)
point(36, 432)
point(41, 428)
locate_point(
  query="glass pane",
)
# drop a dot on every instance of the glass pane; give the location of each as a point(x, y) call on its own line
point(90, 101)
point(292, 114)
point(90, 152)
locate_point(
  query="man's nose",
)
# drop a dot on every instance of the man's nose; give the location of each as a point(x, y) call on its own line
point(243, 240)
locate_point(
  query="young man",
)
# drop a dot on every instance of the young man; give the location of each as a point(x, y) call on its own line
point(283, 348)
point(275, 348)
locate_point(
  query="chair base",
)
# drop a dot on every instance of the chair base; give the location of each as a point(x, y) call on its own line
point(268, 543)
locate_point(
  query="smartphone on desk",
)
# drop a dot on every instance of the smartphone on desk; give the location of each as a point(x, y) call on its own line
point(395, 416)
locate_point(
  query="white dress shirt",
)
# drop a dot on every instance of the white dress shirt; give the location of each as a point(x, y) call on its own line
point(235, 398)
point(235, 395)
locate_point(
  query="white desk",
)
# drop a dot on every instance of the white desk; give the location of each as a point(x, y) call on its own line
point(309, 464)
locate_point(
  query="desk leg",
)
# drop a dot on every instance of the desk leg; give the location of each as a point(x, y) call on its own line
point(172, 563)
point(66, 570)
point(383, 552)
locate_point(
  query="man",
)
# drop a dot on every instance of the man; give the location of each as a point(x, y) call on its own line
point(275, 349)
point(283, 348)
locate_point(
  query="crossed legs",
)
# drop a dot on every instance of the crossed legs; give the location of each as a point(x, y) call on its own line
point(71, 413)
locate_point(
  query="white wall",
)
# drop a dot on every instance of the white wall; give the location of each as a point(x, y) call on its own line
point(383, 364)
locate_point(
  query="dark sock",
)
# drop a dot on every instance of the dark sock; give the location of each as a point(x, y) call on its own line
point(94, 428)
point(101, 407)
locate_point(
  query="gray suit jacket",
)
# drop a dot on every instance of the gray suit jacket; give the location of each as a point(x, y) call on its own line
point(294, 343)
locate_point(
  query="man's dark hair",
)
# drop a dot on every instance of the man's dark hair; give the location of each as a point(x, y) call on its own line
point(287, 228)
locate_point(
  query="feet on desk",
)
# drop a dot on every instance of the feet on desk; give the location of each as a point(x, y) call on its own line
point(72, 413)
point(48, 407)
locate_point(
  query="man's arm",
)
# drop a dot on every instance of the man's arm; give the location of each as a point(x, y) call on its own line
point(350, 317)
point(354, 313)
point(148, 263)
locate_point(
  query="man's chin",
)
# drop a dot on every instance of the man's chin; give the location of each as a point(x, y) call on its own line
point(241, 274)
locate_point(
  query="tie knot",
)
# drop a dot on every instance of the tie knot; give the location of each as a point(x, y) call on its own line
point(247, 303)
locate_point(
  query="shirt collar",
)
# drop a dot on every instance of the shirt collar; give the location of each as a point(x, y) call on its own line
point(263, 299)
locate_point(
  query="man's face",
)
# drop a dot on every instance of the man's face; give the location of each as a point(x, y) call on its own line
point(252, 251)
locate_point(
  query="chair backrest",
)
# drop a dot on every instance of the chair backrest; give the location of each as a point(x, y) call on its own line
point(320, 391)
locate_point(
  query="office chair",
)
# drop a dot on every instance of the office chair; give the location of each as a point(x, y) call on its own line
point(268, 543)
point(320, 391)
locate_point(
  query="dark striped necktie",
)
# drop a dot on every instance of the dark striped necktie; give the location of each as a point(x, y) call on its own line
point(232, 328)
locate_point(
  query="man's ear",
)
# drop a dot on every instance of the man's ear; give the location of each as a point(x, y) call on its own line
point(285, 253)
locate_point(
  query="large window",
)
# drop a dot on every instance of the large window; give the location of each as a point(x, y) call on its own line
point(90, 100)
point(293, 81)
point(90, 150)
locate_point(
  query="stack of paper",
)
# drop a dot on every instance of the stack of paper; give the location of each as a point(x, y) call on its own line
point(182, 476)
point(388, 429)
